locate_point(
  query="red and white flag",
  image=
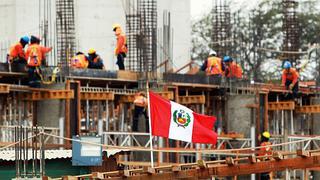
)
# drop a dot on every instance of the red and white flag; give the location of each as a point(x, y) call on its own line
point(174, 121)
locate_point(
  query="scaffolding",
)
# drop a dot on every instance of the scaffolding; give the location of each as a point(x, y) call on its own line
point(141, 23)
point(291, 29)
point(65, 28)
point(221, 27)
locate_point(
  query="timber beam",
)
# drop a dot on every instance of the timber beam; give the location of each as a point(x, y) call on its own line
point(284, 105)
point(308, 109)
point(210, 169)
point(4, 89)
point(97, 96)
point(130, 98)
point(194, 99)
point(48, 94)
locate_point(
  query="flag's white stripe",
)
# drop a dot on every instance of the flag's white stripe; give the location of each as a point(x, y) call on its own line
point(183, 133)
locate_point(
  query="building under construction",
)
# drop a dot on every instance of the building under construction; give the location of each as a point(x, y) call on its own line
point(54, 131)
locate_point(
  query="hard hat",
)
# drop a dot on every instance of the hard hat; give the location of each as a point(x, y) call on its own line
point(115, 26)
point(227, 59)
point(266, 134)
point(212, 53)
point(91, 51)
point(287, 65)
point(25, 39)
point(34, 39)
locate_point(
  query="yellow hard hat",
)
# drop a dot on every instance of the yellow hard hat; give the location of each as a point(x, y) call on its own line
point(266, 134)
point(115, 26)
point(91, 51)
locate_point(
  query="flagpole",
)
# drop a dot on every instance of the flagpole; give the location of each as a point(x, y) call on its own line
point(150, 129)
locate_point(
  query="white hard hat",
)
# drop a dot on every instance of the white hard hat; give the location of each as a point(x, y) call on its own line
point(212, 53)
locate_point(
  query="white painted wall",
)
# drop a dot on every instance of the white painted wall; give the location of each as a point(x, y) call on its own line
point(94, 20)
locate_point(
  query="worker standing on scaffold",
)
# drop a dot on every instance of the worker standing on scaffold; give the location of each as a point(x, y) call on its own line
point(35, 55)
point(265, 150)
point(140, 108)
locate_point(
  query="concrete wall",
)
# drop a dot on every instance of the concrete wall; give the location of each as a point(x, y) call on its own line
point(238, 116)
point(49, 111)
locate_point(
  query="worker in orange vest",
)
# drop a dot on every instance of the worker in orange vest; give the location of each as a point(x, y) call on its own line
point(290, 78)
point(95, 61)
point(121, 49)
point(140, 105)
point(35, 54)
point(213, 66)
point(79, 61)
point(232, 70)
point(265, 150)
point(16, 53)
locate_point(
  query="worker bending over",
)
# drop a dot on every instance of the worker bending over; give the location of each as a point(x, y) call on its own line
point(232, 69)
point(79, 61)
point(140, 106)
point(16, 53)
point(121, 49)
point(35, 55)
point(213, 66)
point(290, 79)
point(95, 61)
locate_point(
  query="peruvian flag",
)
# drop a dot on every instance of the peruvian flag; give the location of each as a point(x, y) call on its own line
point(174, 121)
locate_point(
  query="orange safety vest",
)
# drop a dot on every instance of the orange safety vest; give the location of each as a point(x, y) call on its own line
point(34, 55)
point(265, 150)
point(121, 44)
point(234, 70)
point(214, 66)
point(16, 51)
point(291, 75)
point(79, 61)
point(140, 101)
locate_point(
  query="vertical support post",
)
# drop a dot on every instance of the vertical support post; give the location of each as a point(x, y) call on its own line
point(67, 115)
point(266, 120)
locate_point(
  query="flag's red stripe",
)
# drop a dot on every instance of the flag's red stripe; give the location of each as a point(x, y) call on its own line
point(204, 120)
point(160, 111)
point(202, 129)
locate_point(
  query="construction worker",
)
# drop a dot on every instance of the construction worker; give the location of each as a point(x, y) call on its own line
point(121, 49)
point(16, 53)
point(265, 150)
point(290, 78)
point(35, 55)
point(213, 66)
point(232, 69)
point(140, 104)
point(95, 61)
point(79, 61)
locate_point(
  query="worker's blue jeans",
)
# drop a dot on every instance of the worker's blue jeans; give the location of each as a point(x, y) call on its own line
point(33, 76)
point(120, 60)
point(295, 88)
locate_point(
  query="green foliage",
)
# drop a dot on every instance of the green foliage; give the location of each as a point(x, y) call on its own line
point(259, 29)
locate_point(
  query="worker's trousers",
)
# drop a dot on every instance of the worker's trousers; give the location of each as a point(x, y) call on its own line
point(137, 112)
point(120, 60)
point(34, 76)
point(295, 88)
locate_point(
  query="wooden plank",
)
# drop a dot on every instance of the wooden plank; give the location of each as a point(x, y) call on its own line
point(130, 98)
point(97, 96)
point(128, 75)
point(308, 109)
point(4, 89)
point(47, 95)
point(283, 105)
point(192, 99)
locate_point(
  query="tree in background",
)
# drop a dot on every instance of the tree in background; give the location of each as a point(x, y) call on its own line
point(258, 32)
